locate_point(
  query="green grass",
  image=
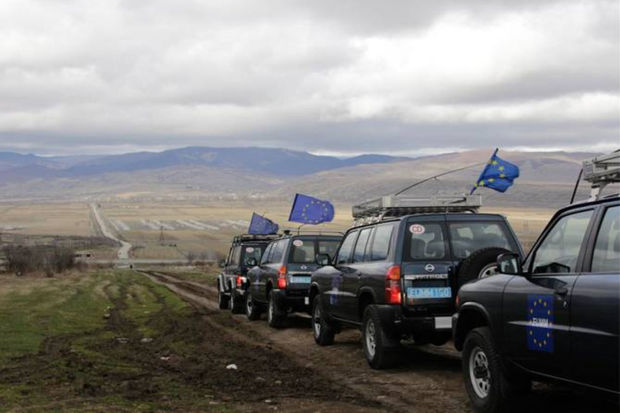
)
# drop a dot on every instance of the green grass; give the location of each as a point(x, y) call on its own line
point(62, 345)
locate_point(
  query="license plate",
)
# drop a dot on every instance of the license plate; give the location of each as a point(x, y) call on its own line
point(300, 280)
point(415, 293)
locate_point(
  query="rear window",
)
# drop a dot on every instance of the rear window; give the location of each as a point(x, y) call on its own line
point(467, 237)
point(251, 251)
point(425, 241)
point(304, 251)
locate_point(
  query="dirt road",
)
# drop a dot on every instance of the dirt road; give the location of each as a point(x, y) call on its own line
point(428, 379)
point(123, 252)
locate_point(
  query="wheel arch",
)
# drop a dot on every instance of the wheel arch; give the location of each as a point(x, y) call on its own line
point(366, 297)
point(314, 291)
point(470, 316)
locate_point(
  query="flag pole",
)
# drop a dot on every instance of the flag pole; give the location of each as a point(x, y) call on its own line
point(484, 171)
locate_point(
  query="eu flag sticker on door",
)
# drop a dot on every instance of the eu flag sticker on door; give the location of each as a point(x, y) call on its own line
point(540, 321)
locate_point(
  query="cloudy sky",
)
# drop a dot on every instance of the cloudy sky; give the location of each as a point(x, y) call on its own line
point(338, 77)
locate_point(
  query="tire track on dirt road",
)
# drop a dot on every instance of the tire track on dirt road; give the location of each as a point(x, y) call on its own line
point(424, 382)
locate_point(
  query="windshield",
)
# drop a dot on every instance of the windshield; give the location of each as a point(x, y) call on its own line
point(467, 237)
point(304, 250)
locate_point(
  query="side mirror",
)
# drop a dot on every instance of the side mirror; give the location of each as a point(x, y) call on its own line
point(222, 264)
point(509, 263)
point(323, 259)
point(252, 262)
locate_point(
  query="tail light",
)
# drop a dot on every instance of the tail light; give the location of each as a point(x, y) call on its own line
point(393, 292)
point(282, 278)
point(239, 281)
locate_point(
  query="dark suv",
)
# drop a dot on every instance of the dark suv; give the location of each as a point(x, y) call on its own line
point(398, 278)
point(231, 281)
point(554, 316)
point(279, 283)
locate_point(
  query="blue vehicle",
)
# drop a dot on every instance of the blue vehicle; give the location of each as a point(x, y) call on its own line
point(554, 315)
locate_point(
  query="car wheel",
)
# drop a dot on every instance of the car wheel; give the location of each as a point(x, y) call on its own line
point(480, 264)
point(379, 348)
point(222, 299)
point(489, 388)
point(275, 315)
point(252, 310)
point(236, 303)
point(323, 332)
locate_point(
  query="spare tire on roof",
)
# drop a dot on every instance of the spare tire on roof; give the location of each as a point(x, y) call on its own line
point(480, 264)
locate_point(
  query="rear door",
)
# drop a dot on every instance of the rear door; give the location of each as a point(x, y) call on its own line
point(257, 274)
point(301, 262)
point(337, 296)
point(427, 267)
point(536, 308)
point(351, 278)
point(595, 320)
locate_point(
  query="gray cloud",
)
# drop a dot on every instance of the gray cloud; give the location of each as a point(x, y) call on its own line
point(341, 77)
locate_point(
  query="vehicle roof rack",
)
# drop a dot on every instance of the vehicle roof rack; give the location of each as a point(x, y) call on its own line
point(300, 232)
point(600, 172)
point(254, 237)
point(392, 206)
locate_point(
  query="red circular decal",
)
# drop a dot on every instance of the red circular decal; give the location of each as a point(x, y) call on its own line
point(417, 229)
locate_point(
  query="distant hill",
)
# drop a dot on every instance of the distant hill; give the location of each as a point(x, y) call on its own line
point(262, 173)
point(262, 160)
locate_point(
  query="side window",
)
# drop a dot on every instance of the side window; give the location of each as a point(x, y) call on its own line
point(237, 255)
point(381, 242)
point(265, 258)
point(559, 250)
point(229, 256)
point(606, 256)
point(360, 246)
point(278, 251)
point(346, 247)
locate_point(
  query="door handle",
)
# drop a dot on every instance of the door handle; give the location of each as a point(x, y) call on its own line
point(561, 291)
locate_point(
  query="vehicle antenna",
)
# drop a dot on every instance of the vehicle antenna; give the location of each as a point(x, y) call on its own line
point(572, 198)
point(437, 176)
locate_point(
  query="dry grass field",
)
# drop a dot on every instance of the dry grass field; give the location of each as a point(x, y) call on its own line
point(200, 229)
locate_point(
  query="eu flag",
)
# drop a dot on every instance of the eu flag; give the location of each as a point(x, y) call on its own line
point(309, 210)
point(262, 226)
point(497, 174)
point(540, 319)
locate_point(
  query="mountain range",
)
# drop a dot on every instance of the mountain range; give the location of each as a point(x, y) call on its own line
point(272, 173)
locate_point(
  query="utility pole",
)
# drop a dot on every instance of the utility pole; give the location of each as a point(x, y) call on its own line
point(161, 235)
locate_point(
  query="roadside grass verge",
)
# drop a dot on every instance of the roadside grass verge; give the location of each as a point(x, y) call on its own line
point(105, 341)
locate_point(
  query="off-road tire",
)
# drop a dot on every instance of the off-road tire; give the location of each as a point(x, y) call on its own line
point(222, 299)
point(236, 304)
point(252, 309)
point(472, 266)
point(383, 355)
point(276, 316)
point(503, 392)
point(322, 331)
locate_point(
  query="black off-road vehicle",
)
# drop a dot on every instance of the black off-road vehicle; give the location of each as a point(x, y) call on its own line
point(231, 281)
point(553, 316)
point(279, 283)
point(397, 276)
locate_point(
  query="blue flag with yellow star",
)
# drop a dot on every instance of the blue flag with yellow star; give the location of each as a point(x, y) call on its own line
point(309, 210)
point(540, 319)
point(262, 226)
point(497, 174)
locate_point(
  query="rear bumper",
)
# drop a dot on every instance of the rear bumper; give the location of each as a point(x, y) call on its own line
point(394, 319)
point(296, 300)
